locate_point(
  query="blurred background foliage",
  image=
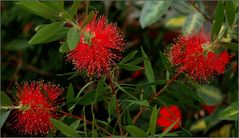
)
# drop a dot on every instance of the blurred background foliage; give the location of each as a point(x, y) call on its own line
point(21, 61)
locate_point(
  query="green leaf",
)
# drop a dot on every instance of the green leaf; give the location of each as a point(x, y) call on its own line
point(74, 7)
point(166, 63)
point(232, 46)
point(4, 117)
point(193, 23)
point(210, 94)
point(66, 130)
point(135, 131)
point(230, 113)
point(152, 11)
point(223, 32)
point(69, 95)
point(64, 48)
point(39, 27)
point(128, 57)
point(123, 90)
point(153, 120)
point(130, 67)
point(230, 12)
point(57, 5)
point(218, 20)
point(39, 9)
point(17, 44)
point(89, 98)
point(78, 95)
point(83, 88)
point(175, 22)
point(195, 96)
point(100, 87)
point(73, 38)
point(136, 61)
point(165, 132)
point(5, 100)
point(75, 124)
point(49, 33)
point(88, 19)
point(142, 103)
point(182, 7)
point(146, 84)
point(112, 106)
point(129, 118)
point(148, 69)
point(198, 125)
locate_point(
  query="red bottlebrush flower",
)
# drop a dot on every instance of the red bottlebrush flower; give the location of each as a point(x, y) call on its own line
point(37, 101)
point(195, 55)
point(27, 27)
point(168, 115)
point(136, 74)
point(209, 109)
point(98, 47)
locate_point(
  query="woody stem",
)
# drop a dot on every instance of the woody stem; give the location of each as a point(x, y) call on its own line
point(136, 117)
point(87, 121)
point(203, 14)
point(11, 107)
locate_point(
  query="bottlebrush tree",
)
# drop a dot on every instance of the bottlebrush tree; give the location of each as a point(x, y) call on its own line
point(119, 68)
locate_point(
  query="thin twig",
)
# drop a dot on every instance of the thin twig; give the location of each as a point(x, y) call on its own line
point(87, 121)
point(27, 66)
point(203, 14)
point(165, 86)
point(156, 95)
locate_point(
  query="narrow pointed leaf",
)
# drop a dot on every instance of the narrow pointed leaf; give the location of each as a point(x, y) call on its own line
point(135, 131)
point(232, 46)
point(230, 12)
point(218, 20)
point(230, 113)
point(128, 57)
point(112, 106)
point(130, 67)
point(165, 132)
point(39, 9)
point(69, 95)
point(166, 63)
point(49, 33)
point(210, 94)
point(65, 129)
point(74, 7)
point(100, 87)
point(4, 117)
point(153, 120)
point(182, 7)
point(5, 100)
point(148, 69)
point(75, 124)
point(88, 19)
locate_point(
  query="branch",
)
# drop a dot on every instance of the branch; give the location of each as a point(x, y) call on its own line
point(87, 121)
point(203, 14)
point(136, 117)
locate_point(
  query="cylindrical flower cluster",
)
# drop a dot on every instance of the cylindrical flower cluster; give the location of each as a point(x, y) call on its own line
point(38, 104)
point(98, 48)
point(194, 55)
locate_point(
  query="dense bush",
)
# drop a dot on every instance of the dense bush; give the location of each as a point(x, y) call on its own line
point(119, 68)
